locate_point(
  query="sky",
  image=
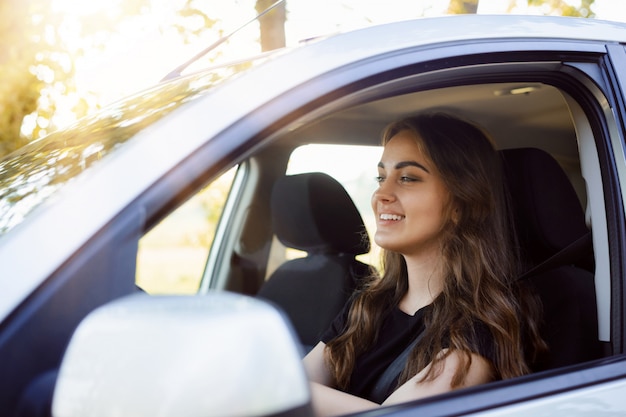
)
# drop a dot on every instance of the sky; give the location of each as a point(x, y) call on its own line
point(141, 54)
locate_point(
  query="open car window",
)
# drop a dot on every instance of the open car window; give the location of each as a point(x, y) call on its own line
point(354, 167)
point(537, 116)
point(173, 254)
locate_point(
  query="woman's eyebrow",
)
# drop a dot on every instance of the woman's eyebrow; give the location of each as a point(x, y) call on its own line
point(404, 164)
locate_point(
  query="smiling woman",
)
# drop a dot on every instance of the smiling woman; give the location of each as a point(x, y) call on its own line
point(447, 308)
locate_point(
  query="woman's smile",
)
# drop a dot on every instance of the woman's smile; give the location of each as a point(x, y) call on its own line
point(390, 217)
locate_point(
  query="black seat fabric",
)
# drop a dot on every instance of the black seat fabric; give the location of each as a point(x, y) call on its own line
point(312, 212)
point(548, 214)
point(548, 217)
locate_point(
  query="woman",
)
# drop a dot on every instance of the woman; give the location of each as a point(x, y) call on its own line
point(447, 296)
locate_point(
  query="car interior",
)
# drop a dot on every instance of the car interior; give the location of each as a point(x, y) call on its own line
point(532, 126)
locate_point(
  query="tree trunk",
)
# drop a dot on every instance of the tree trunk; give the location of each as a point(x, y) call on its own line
point(463, 7)
point(272, 25)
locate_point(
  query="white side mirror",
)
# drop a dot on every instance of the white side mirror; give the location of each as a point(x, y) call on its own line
point(216, 355)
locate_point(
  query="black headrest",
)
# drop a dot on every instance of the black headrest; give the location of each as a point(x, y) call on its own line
point(548, 213)
point(314, 213)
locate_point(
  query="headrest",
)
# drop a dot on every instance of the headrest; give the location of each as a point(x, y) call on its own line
point(314, 213)
point(548, 213)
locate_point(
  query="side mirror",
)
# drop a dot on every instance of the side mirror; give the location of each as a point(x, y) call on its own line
point(216, 355)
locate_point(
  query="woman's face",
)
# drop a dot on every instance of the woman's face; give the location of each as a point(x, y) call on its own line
point(411, 201)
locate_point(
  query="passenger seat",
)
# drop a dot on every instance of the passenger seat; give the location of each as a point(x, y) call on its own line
point(312, 212)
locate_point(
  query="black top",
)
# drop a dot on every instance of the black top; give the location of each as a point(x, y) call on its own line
point(397, 332)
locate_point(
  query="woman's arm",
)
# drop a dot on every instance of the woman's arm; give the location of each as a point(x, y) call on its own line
point(315, 365)
point(480, 372)
point(328, 401)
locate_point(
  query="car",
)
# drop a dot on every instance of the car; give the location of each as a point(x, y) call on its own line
point(148, 251)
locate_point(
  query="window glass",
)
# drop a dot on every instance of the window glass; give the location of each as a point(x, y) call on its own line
point(355, 168)
point(173, 254)
point(37, 171)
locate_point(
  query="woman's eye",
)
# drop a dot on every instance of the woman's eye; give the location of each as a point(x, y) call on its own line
point(407, 179)
point(379, 179)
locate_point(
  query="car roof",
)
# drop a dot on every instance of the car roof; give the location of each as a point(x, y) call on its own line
point(462, 27)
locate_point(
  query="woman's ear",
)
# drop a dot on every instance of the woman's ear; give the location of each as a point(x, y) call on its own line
point(456, 215)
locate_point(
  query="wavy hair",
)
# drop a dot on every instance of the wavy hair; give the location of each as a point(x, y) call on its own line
point(478, 249)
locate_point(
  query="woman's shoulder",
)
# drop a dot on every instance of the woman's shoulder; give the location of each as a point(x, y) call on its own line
point(476, 335)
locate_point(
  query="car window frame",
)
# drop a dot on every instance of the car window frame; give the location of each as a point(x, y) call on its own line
point(541, 383)
point(615, 62)
point(214, 275)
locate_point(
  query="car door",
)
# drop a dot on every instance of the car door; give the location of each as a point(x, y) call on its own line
point(585, 73)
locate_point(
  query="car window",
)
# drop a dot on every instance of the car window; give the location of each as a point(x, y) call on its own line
point(173, 254)
point(37, 171)
point(354, 167)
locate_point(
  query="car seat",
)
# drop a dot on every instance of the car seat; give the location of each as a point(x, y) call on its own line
point(312, 212)
point(548, 217)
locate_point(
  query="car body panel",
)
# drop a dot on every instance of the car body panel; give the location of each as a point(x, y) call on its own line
point(596, 400)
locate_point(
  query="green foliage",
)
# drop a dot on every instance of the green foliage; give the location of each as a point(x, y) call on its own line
point(563, 8)
point(192, 21)
point(18, 97)
point(19, 88)
point(39, 45)
point(463, 6)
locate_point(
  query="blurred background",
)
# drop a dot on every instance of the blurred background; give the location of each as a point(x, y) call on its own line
point(62, 59)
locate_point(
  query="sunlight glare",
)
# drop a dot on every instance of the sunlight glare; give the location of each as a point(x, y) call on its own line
point(141, 54)
point(82, 7)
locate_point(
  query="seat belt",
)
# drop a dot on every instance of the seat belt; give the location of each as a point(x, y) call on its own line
point(566, 256)
point(387, 380)
point(385, 384)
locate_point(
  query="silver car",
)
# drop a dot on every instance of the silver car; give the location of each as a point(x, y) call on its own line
point(152, 257)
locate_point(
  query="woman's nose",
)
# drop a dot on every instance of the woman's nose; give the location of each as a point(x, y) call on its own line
point(383, 193)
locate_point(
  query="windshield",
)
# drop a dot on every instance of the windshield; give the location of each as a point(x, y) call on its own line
point(33, 174)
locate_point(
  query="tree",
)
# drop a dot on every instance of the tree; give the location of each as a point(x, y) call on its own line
point(19, 87)
point(564, 8)
point(39, 45)
point(463, 6)
point(272, 25)
point(550, 7)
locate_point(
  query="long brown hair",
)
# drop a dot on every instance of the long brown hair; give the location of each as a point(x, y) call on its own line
point(479, 256)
